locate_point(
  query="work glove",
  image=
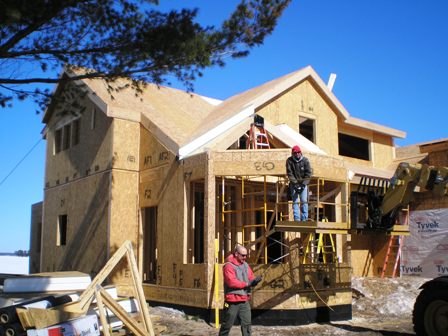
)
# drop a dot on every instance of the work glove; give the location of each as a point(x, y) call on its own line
point(299, 187)
point(255, 281)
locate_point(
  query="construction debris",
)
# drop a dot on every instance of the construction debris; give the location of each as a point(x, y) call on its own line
point(67, 315)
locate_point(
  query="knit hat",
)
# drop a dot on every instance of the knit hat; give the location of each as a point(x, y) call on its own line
point(296, 149)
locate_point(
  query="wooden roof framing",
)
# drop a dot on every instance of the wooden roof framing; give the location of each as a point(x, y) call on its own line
point(187, 123)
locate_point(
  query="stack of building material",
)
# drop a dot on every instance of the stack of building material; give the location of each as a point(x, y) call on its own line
point(10, 324)
point(9, 320)
point(47, 282)
point(38, 286)
point(37, 321)
point(87, 325)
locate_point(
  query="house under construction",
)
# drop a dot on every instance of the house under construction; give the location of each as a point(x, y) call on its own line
point(186, 177)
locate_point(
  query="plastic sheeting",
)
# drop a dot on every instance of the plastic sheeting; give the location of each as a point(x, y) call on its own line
point(425, 251)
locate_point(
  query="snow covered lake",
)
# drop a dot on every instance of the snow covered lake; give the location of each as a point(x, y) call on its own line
point(13, 264)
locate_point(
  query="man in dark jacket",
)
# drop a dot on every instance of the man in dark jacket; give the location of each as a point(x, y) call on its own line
point(238, 281)
point(299, 172)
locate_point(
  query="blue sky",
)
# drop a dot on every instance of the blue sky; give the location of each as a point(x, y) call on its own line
point(390, 57)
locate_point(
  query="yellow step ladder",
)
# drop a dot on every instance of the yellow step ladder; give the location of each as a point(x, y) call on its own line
point(320, 248)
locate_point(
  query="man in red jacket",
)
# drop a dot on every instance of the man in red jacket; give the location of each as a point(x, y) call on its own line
point(238, 281)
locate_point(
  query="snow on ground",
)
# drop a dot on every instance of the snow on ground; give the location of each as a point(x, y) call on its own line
point(380, 307)
point(14, 265)
point(387, 297)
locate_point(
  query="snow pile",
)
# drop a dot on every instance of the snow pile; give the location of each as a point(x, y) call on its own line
point(168, 311)
point(387, 297)
point(399, 303)
point(14, 265)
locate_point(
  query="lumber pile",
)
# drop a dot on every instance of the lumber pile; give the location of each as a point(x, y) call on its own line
point(97, 309)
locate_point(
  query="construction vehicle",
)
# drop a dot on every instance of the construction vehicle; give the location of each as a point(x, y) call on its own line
point(383, 200)
point(430, 314)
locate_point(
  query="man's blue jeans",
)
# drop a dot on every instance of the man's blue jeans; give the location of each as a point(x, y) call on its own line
point(301, 215)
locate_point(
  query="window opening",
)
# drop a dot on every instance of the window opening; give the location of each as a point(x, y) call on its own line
point(75, 132)
point(195, 229)
point(149, 244)
point(66, 137)
point(57, 140)
point(306, 128)
point(62, 231)
point(354, 147)
point(198, 220)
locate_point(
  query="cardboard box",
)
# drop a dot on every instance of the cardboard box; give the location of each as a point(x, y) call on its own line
point(83, 326)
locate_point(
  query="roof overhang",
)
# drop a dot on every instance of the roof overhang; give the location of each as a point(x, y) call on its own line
point(190, 147)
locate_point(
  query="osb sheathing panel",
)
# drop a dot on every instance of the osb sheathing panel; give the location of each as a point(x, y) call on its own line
point(150, 186)
point(381, 146)
point(152, 153)
point(282, 286)
point(126, 145)
point(91, 155)
point(170, 228)
point(124, 212)
point(367, 254)
point(35, 237)
point(156, 169)
point(124, 191)
point(86, 204)
point(175, 112)
point(304, 100)
point(383, 154)
point(273, 162)
point(355, 131)
point(162, 182)
point(278, 290)
point(195, 166)
point(187, 286)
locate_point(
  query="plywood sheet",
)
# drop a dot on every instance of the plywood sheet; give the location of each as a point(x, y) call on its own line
point(126, 144)
point(124, 214)
point(86, 204)
point(93, 153)
point(305, 100)
point(367, 254)
point(273, 162)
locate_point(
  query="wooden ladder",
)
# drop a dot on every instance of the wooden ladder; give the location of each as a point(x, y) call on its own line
point(392, 254)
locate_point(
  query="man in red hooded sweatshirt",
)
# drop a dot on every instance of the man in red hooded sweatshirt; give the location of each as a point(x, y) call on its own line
point(238, 281)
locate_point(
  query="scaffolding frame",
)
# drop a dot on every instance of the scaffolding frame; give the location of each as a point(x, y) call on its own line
point(246, 233)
